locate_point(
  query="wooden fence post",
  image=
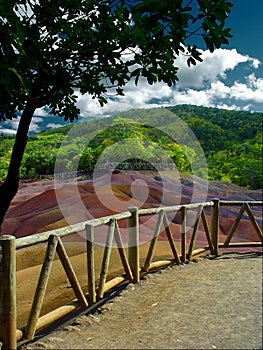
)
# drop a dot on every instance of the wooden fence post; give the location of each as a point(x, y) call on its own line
point(183, 235)
point(106, 258)
point(41, 287)
point(8, 292)
point(90, 263)
point(195, 228)
point(133, 243)
point(149, 256)
point(215, 225)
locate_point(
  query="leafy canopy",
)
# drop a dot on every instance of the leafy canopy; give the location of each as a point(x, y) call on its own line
point(51, 49)
point(232, 142)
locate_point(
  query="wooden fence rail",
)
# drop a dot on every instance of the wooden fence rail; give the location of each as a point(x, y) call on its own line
point(130, 264)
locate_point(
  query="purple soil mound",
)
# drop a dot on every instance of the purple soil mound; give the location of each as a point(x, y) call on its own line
point(41, 206)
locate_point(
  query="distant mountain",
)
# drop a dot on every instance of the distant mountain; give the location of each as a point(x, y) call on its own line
point(212, 126)
point(231, 141)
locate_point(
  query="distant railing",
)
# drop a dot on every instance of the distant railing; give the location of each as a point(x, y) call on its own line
point(135, 166)
point(130, 264)
point(111, 166)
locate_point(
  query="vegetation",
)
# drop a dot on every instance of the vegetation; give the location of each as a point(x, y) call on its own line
point(51, 49)
point(232, 142)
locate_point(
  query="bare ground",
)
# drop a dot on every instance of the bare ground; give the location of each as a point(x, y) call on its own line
point(212, 304)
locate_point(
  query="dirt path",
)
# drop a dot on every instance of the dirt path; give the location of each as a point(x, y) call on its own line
point(212, 304)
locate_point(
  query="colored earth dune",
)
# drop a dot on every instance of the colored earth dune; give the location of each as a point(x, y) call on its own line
point(46, 205)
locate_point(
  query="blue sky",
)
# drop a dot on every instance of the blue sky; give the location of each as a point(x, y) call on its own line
point(246, 23)
point(231, 77)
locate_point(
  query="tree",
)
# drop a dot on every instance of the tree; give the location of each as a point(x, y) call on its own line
point(49, 49)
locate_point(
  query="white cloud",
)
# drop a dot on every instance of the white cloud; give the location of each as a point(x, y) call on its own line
point(191, 96)
point(53, 125)
point(140, 96)
point(206, 84)
point(227, 106)
point(144, 93)
point(251, 90)
point(7, 131)
point(255, 63)
point(34, 127)
point(37, 120)
point(254, 82)
point(220, 95)
point(14, 123)
point(41, 112)
point(214, 66)
point(242, 92)
point(88, 106)
point(219, 89)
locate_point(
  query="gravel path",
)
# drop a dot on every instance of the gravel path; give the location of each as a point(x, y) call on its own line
point(211, 304)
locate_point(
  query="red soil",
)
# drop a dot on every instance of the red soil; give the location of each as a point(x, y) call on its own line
point(35, 208)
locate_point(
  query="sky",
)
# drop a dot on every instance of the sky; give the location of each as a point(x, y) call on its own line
point(230, 78)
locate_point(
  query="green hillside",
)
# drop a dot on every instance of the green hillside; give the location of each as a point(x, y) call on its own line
point(231, 141)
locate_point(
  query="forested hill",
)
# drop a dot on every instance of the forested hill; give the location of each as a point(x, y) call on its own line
point(231, 140)
point(215, 128)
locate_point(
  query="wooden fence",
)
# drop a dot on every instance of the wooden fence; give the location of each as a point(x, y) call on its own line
point(110, 166)
point(130, 258)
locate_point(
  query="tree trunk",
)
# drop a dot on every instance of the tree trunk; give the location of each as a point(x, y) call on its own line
point(9, 187)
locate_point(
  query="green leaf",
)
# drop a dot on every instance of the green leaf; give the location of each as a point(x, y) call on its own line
point(209, 43)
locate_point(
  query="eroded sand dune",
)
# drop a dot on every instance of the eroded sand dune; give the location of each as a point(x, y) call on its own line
point(35, 208)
